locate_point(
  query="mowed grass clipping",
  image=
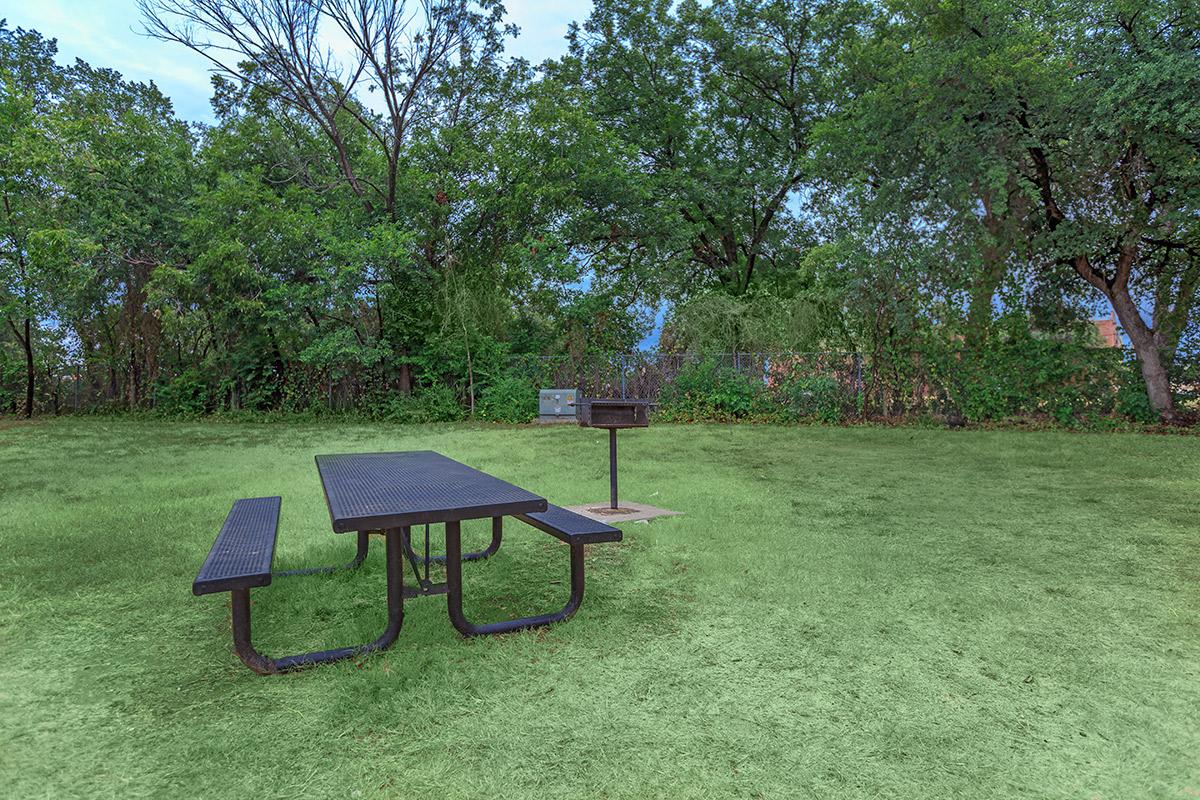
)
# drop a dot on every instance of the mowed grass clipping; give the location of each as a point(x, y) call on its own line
point(840, 613)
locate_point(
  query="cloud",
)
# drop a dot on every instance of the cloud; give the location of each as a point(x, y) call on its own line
point(108, 33)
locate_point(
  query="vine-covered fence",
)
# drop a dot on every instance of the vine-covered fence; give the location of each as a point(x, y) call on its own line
point(1038, 378)
point(1043, 378)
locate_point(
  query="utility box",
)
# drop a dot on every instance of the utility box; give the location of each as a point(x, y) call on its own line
point(555, 403)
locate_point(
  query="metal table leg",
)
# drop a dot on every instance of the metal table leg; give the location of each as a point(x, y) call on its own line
point(454, 592)
point(420, 563)
point(265, 665)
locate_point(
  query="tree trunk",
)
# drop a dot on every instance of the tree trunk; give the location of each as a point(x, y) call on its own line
point(1154, 372)
point(27, 343)
point(131, 389)
point(405, 378)
point(983, 295)
point(470, 371)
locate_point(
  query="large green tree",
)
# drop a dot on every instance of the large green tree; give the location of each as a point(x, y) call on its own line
point(30, 202)
point(126, 181)
point(1055, 141)
point(401, 116)
point(93, 176)
point(713, 106)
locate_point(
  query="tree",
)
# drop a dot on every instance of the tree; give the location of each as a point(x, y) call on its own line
point(126, 179)
point(715, 104)
point(421, 65)
point(29, 81)
point(1053, 134)
point(279, 48)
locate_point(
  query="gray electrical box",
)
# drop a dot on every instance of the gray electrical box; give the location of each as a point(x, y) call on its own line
point(556, 403)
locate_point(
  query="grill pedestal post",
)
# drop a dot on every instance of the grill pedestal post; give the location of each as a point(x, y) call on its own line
point(613, 414)
point(612, 467)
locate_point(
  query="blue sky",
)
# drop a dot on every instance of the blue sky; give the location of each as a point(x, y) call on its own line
point(106, 33)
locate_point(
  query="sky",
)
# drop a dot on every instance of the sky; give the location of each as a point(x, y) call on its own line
point(107, 33)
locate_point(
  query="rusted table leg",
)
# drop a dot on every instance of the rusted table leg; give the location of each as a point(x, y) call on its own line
point(265, 665)
point(454, 592)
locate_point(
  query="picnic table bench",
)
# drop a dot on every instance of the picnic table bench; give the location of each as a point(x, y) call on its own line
point(392, 493)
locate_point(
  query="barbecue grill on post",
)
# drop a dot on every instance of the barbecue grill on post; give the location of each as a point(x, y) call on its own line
point(612, 414)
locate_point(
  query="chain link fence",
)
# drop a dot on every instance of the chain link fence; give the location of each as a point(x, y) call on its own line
point(644, 375)
point(895, 386)
point(1092, 380)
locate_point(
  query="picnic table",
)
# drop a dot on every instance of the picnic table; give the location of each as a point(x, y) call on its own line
point(392, 493)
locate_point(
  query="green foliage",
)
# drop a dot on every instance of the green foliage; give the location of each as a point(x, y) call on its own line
point(510, 399)
point(706, 390)
point(707, 109)
point(1024, 375)
point(760, 320)
point(1061, 179)
point(813, 397)
point(599, 322)
point(11, 371)
point(186, 394)
point(899, 180)
point(434, 403)
point(1131, 401)
point(462, 361)
point(710, 390)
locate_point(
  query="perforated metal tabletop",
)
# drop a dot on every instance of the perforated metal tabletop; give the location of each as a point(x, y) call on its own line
point(372, 491)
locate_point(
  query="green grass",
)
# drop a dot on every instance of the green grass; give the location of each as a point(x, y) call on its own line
point(840, 613)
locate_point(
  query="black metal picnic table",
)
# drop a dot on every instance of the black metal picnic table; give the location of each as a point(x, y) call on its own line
point(392, 493)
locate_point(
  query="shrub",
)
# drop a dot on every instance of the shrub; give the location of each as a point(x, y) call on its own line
point(184, 395)
point(1132, 400)
point(812, 397)
point(508, 399)
point(434, 403)
point(1020, 375)
point(11, 376)
point(704, 390)
point(438, 403)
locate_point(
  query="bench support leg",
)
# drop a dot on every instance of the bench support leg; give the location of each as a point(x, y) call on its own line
point(364, 541)
point(454, 592)
point(265, 665)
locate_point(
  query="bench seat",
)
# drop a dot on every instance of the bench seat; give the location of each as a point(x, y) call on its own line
point(242, 554)
point(571, 527)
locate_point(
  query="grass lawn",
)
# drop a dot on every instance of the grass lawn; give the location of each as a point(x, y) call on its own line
point(840, 613)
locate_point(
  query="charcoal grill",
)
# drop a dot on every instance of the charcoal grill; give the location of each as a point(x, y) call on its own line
point(613, 414)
